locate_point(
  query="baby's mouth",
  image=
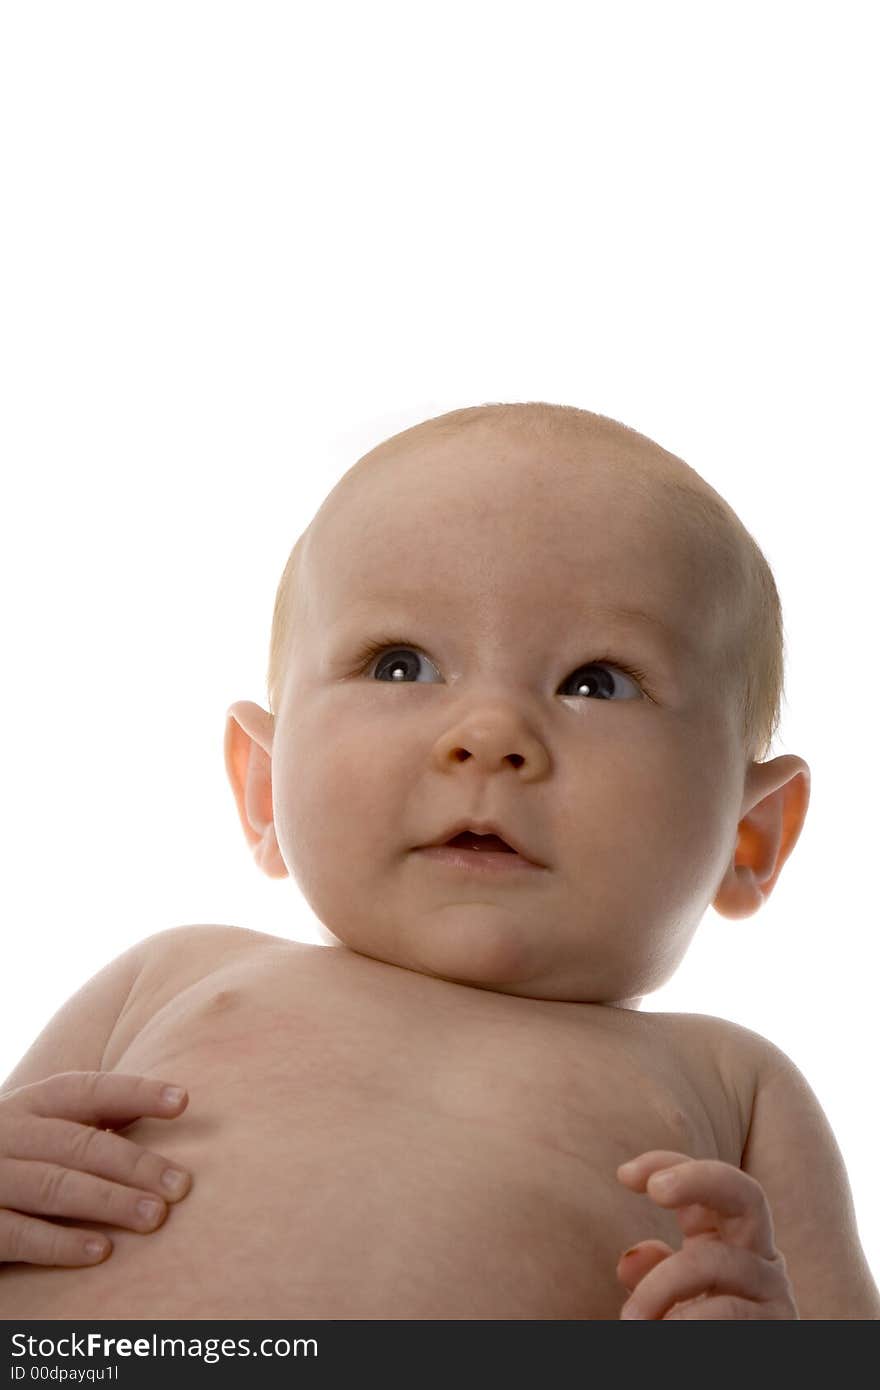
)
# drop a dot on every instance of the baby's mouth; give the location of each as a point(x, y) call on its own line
point(487, 847)
point(469, 852)
point(468, 840)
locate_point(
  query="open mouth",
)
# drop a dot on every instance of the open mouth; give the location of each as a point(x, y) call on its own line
point(468, 840)
point(469, 853)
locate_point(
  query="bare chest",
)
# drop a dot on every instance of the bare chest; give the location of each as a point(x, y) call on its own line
point(373, 1143)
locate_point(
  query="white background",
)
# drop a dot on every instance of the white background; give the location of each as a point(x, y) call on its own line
point(243, 243)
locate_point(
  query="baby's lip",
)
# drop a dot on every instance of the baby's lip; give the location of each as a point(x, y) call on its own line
point(484, 827)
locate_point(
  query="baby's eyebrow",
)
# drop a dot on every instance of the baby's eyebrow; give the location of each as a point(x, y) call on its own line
point(611, 614)
point(613, 618)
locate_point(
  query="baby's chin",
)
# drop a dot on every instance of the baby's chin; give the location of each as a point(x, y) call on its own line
point(467, 946)
point(472, 946)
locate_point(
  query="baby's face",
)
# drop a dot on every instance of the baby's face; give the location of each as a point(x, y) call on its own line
point(507, 578)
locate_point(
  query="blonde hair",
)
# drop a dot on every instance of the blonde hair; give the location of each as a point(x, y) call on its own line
point(756, 656)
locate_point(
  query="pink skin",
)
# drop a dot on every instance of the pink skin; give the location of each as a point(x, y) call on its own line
point(501, 560)
point(728, 1266)
point(471, 551)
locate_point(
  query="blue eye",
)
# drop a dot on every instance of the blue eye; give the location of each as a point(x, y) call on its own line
point(400, 665)
point(598, 678)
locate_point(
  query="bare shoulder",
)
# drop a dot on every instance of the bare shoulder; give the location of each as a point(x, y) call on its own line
point(737, 1053)
point(202, 943)
point(171, 961)
point(176, 958)
point(724, 1039)
point(723, 1062)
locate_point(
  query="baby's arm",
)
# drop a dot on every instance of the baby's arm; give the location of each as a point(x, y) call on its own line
point(792, 1152)
point(52, 1161)
point(76, 1036)
point(775, 1237)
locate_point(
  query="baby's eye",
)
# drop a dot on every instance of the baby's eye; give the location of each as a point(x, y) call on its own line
point(598, 679)
point(399, 665)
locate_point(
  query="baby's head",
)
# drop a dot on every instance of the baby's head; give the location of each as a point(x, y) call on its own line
point(507, 571)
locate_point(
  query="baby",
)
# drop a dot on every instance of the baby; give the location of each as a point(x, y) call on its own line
point(455, 1109)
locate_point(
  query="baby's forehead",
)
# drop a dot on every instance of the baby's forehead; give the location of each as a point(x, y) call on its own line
point(504, 520)
point(495, 471)
point(494, 529)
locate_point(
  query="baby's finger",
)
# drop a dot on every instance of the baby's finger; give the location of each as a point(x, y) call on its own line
point(707, 1195)
point(724, 1307)
point(44, 1189)
point(102, 1098)
point(635, 1173)
point(89, 1150)
point(29, 1241)
point(706, 1267)
point(636, 1262)
point(735, 1199)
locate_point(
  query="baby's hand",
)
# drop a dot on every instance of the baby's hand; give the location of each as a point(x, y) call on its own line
point(53, 1165)
point(728, 1266)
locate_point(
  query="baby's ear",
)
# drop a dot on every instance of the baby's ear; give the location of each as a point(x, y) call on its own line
point(775, 806)
point(248, 752)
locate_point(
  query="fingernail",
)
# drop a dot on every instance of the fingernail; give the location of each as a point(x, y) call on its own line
point(149, 1210)
point(172, 1095)
point(173, 1180)
point(633, 1250)
point(662, 1182)
point(629, 1310)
